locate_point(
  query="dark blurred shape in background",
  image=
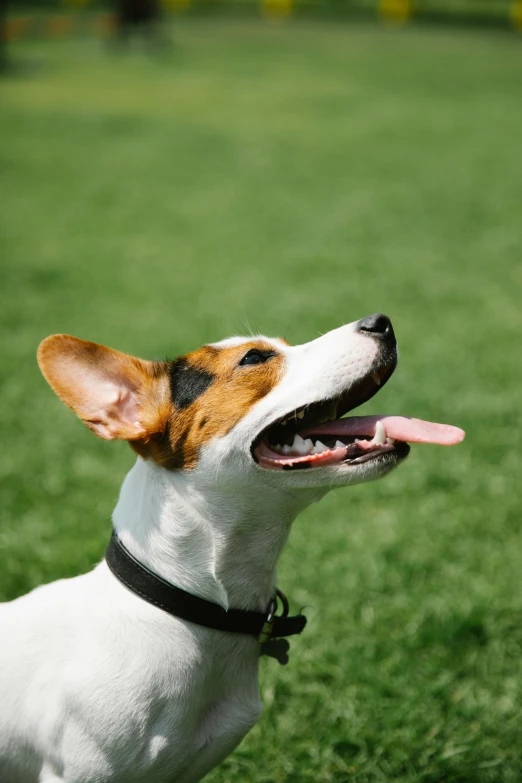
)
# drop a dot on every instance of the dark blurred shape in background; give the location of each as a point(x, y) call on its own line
point(137, 17)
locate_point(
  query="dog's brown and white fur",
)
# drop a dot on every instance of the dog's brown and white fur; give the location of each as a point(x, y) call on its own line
point(97, 685)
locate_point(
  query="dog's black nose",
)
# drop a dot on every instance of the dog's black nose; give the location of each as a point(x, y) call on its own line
point(378, 326)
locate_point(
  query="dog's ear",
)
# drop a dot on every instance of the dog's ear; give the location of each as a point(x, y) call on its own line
point(115, 395)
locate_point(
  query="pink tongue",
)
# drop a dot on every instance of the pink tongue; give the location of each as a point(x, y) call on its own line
point(398, 427)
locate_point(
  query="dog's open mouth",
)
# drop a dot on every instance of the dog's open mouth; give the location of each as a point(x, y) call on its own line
point(316, 436)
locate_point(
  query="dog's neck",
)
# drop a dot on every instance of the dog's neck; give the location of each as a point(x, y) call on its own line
point(213, 542)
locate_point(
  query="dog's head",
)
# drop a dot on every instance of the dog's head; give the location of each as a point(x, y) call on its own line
point(247, 406)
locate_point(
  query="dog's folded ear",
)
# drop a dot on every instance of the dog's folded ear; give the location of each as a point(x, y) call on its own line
point(115, 395)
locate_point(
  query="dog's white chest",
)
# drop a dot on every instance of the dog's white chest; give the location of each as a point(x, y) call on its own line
point(171, 755)
point(205, 744)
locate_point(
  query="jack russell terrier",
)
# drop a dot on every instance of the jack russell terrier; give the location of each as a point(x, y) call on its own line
point(145, 670)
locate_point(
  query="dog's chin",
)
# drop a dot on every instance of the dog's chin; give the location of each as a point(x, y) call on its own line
point(375, 468)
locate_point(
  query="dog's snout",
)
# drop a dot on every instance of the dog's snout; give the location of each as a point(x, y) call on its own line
point(378, 326)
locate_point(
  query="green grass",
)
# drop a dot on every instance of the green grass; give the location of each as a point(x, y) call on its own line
point(293, 178)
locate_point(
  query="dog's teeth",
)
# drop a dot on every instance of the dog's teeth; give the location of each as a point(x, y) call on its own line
point(302, 447)
point(300, 415)
point(380, 434)
point(319, 448)
point(277, 448)
point(299, 446)
point(390, 441)
point(339, 445)
point(286, 450)
point(376, 378)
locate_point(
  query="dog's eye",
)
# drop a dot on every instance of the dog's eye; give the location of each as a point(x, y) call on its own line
point(256, 357)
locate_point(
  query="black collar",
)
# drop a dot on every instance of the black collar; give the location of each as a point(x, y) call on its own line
point(152, 588)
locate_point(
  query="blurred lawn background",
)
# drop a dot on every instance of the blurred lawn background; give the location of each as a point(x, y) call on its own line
point(287, 180)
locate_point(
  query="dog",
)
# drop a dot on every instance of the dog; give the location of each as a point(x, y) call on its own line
point(100, 680)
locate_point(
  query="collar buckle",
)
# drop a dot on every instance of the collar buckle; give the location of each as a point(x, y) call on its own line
point(266, 630)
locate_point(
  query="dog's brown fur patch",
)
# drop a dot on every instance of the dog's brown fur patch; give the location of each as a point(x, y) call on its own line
point(233, 390)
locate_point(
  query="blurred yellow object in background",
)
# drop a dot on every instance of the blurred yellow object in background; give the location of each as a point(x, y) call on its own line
point(277, 9)
point(395, 11)
point(104, 25)
point(59, 26)
point(516, 14)
point(176, 6)
point(15, 28)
